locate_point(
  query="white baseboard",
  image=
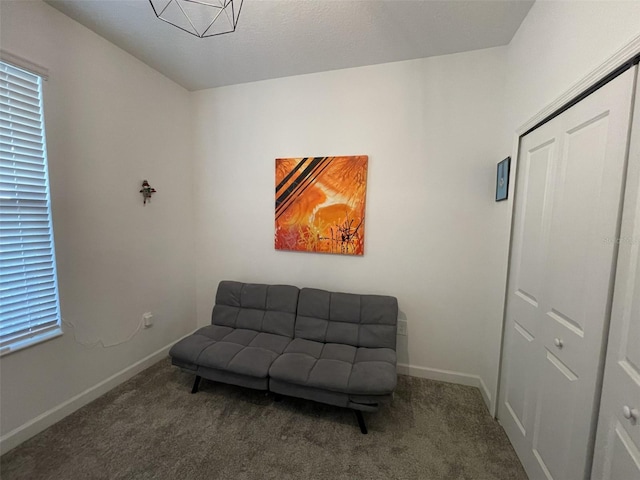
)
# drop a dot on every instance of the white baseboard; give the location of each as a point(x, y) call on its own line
point(448, 376)
point(36, 425)
point(486, 396)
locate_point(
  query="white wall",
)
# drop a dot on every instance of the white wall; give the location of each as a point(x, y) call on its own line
point(558, 44)
point(111, 122)
point(429, 127)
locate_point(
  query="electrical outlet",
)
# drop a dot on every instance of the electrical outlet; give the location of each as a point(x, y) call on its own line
point(402, 327)
point(147, 318)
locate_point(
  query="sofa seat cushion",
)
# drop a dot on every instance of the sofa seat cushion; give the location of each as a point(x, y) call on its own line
point(236, 350)
point(336, 367)
point(187, 350)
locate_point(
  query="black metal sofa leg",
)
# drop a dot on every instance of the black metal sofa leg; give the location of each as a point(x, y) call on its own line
point(363, 426)
point(196, 384)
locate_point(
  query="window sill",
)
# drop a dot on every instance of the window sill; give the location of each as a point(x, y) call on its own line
point(29, 342)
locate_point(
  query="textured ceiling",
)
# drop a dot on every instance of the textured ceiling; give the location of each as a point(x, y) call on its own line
point(278, 38)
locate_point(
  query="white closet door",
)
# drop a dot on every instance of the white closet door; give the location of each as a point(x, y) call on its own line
point(568, 200)
point(617, 452)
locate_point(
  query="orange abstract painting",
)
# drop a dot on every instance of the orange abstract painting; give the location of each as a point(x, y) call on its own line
point(320, 204)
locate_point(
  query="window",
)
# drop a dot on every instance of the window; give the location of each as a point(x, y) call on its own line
point(29, 307)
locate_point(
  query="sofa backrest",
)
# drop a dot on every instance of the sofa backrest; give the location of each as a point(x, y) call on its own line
point(264, 308)
point(358, 320)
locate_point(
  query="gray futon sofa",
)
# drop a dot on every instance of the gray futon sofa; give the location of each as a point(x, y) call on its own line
point(335, 348)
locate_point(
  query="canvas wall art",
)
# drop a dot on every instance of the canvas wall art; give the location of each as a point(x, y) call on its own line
point(320, 204)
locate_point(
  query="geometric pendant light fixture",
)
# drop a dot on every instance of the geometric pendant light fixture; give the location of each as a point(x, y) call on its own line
point(202, 18)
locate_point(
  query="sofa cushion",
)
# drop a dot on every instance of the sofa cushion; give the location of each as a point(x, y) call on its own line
point(337, 367)
point(357, 320)
point(187, 350)
point(240, 351)
point(263, 308)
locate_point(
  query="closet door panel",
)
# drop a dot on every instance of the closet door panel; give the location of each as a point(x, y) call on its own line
point(617, 451)
point(561, 280)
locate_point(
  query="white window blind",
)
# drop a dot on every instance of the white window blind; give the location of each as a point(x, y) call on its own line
point(29, 307)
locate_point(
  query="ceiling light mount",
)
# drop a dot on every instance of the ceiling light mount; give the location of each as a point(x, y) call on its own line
point(202, 18)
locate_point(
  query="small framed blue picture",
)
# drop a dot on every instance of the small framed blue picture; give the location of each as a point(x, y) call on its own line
point(502, 180)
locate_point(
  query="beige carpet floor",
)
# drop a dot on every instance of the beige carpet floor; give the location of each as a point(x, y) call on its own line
point(151, 427)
